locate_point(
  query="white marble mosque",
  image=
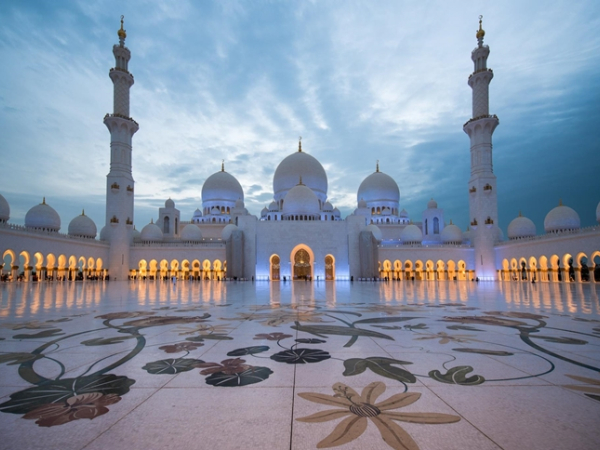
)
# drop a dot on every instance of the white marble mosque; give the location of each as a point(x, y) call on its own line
point(147, 363)
point(300, 234)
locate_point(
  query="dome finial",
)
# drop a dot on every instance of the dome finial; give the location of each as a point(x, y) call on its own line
point(300, 182)
point(520, 214)
point(300, 144)
point(43, 200)
point(122, 34)
point(480, 33)
point(222, 165)
point(83, 212)
point(377, 166)
point(560, 202)
point(451, 222)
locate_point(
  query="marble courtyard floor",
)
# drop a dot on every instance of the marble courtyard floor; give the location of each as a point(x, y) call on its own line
point(215, 365)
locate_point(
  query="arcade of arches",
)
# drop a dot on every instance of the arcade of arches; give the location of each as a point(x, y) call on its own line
point(37, 266)
point(182, 270)
point(578, 267)
point(27, 267)
point(428, 270)
point(567, 268)
point(302, 266)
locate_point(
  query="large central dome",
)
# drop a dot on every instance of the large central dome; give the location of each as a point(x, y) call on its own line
point(298, 165)
point(379, 188)
point(220, 187)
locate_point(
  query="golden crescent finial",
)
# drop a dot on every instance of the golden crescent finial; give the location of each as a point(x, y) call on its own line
point(222, 165)
point(300, 144)
point(122, 34)
point(377, 166)
point(480, 33)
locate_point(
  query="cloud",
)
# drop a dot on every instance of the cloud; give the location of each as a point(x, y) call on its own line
point(240, 81)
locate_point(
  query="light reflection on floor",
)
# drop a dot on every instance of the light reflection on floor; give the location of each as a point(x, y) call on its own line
point(235, 365)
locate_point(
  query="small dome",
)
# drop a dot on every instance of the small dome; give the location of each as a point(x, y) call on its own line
point(170, 203)
point(467, 235)
point(521, 227)
point(191, 233)
point(327, 207)
point(386, 212)
point(264, 212)
point(215, 211)
point(498, 234)
point(137, 236)
point(561, 218)
point(301, 200)
point(5, 209)
point(379, 187)
point(411, 234)
point(197, 214)
point(432, 204)
point(151, 233)
point(226, 233)
point(336, 212)
point(404, 214)
point(104, 233)
point(598, 213)
point(300, 164)
point(222, 186)
point(83, 226)
point(451, 234)
point(239, 203)
point(375, 230)
point(42, 217)
point(362, 203)
point(273, 206)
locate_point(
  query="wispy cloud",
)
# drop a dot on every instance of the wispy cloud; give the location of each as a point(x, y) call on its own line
point(240, 81)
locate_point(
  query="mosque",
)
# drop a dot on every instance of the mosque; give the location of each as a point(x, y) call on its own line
point(300, 235)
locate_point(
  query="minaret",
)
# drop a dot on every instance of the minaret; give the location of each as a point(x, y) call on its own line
point(483, 203)
point(119, 181)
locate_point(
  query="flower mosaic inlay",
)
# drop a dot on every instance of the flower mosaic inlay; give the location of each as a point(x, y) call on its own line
point(74, 364)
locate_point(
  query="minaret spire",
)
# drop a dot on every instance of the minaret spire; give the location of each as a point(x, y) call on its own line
point(122, 34)
point(480, 33)
point(119, 181)
point(483, 202)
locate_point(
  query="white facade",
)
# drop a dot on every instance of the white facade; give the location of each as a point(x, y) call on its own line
point(299, 234)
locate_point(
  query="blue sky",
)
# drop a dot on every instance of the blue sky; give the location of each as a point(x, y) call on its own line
point(360, 81)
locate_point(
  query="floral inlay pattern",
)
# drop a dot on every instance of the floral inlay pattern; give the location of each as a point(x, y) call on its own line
point(357, 410)
point(299, 335)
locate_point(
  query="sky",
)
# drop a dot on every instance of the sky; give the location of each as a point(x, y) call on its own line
point(240, 81)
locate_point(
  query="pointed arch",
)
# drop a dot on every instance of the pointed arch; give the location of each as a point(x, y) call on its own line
point(302, 260)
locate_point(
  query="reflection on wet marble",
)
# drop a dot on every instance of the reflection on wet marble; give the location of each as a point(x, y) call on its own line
point(299, 365)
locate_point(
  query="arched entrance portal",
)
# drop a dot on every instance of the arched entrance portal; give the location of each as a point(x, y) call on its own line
point(329, 267)
point(275, 267)
point(302, 265)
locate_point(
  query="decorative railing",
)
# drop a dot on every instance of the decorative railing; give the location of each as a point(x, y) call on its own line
point(218, 244)
point(399, 244)
point(582, 231)
point(483, 116)
point(34, 231)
